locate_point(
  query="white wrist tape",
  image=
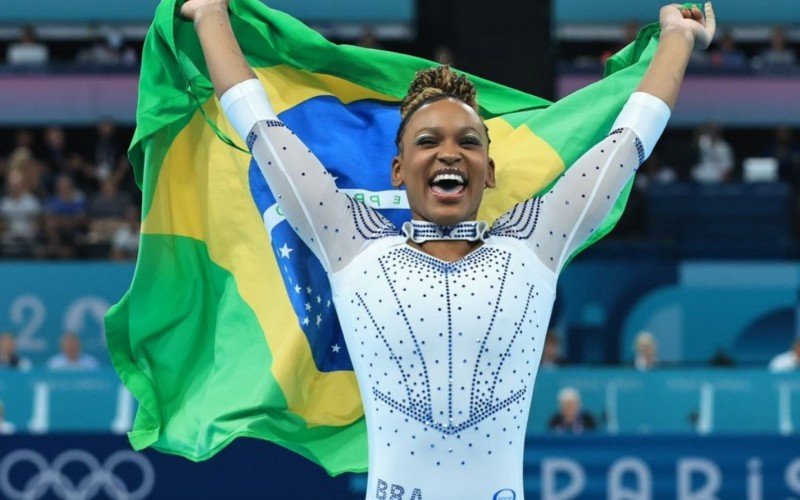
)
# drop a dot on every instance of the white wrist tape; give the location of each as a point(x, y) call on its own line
point(245, 104)
point(647, 116)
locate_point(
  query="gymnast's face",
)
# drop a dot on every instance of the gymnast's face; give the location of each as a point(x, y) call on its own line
point(444, 162)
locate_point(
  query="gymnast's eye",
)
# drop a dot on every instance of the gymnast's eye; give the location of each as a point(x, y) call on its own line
point(470, 140)
point(425, 140)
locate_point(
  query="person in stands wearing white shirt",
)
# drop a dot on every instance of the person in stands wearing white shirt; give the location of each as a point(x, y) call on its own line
point(71, 358)
point(788, 361)
point(716, 157)
point(646, 349)
point(20, 214)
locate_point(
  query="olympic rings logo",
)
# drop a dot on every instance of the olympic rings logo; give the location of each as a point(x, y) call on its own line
point(52, 476)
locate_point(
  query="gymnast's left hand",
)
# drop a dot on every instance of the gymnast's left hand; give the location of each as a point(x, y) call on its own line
point(692, 22)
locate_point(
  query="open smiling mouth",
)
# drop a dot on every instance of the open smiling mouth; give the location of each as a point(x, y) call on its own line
point(448, 183)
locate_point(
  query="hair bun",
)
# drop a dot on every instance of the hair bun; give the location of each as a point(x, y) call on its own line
point(435, 82)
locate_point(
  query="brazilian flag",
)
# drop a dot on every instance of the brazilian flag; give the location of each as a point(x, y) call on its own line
point(227, 329)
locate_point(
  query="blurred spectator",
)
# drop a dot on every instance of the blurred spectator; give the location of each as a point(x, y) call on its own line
point(125, 242)
point(9, 358)
point(82, 173)
point(787, 151)
point(654, 171)
point(368, 39)
point(646, 350)
point(109, 203)
point(23, 144)
point(28, 51)
point(65, 218)
point(551, 356)
point(570, 417)
point(6, 427)
point(778, 56)
point(716, 156)
point(106, 150)
point(71, 358)
point(107, 50)
point(107, 210)
point(55, 154)
point(727, 56)
point(721, 359)
point(20, 213)
point(788, 361)
point(443, 55)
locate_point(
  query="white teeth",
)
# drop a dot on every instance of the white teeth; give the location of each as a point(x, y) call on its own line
point(449, 177)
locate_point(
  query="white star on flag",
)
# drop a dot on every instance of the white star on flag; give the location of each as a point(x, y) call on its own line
point(329, 303)
point(319, 319)
point(335, 348)
point(305, 320)
point(308, 289)
point(297, 289)
point(308, 306)
point(319, 299)
point(285, 251)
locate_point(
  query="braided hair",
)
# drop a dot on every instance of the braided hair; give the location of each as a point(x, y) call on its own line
point(431, 85)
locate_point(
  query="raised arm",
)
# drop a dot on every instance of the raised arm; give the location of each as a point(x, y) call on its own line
point(226, 63)
point(334, 226)
point(557, 223)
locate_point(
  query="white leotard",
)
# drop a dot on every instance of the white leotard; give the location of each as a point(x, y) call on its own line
point(445, 353)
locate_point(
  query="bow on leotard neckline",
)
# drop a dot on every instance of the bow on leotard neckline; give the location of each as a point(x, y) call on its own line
point(422, 231)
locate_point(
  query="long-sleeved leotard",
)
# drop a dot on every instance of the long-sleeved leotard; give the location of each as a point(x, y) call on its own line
point(445, 353)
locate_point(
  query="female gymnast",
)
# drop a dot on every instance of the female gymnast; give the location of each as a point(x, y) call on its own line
point(446, 340)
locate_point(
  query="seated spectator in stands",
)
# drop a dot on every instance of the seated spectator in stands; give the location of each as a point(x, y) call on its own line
point(71, 358)
point(82, 173)
point(106, 149)
point(570, 417)
point(6, 427)
point(107, 210)
point(778, 56)
point(646, 350)
point(22, 160)
point(104, 51)
point(125, 242)
point(716, 156)
point(9, 358)
point(551, 355)
point(65, 218)
point(28, 51)
point(55, 154)
point(23, 146)
point(109, 203)
point(726, 56)
point(721, 359)
point(788, 361)
point(20, 213)
point(786, 150)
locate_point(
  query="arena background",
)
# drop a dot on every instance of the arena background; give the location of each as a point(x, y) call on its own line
point(705, 260)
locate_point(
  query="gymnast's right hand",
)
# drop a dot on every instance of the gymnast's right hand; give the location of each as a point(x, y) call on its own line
point(192, 8)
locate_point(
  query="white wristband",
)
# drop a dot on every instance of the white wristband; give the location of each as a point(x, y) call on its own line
point(647, 116)
point(245, 104)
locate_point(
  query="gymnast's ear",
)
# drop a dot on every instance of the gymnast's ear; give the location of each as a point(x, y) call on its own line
point(397, 172)
point(490, 179)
